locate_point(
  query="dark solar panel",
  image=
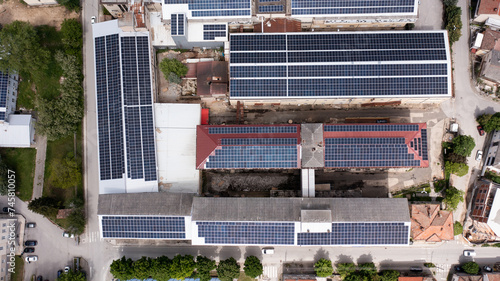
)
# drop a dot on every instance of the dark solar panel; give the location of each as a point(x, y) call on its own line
point(143, 70)
point(2, 116)
point(271, 9)
point(222, 8)
point(258, 233)
point(381, 233)
point(154, 227)
point(260, 141)
point(371, 128)
point(214, 27)
point(134, 142)
point(148, 143)
point(173, 24)
point(4, 82)
point(424, 144)
point(253, 130)
point(210, 35)
point(258, 71)
point(344, 7)
point(258, 42)
point(180, 24)
point(253, 156)
point(365, 70)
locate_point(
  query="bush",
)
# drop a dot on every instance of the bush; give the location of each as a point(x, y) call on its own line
point(323, 268)
point(463, 145)
point(453, 23)
point(182, 267)
point(483, 119)
point(168, 66)
point(440, 185)
point(344, 269)
point(173, 78)
point(471, 268)
point(453, 197)
point(429, 265)
point(389, 275)
point(45, 206)
point(203, 267)
point(459, 169)
point(76, 221)
point(450, 2)
point(457, 228)
point(253, 267)
point(228, 269)
point(409, 26)
point(493, 123)
point(494, 177)
point(71, 5)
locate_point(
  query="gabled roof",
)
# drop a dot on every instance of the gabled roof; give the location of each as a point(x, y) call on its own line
point(490, 40)
point(430, 224)
point(489, 7)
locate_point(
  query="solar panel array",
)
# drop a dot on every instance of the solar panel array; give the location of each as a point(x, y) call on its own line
point(248, 157)
point(210, 31)
point(260, 233)
point(271, 9)
point(216, 8)
point(424, 145)
point(152, 227)
point(371, 128)
point(339, 64)
point(109, 107)
point(358, 7)
point(177, 24)
point(2, 115)
point(4, 82)
point(253, 130)
point(380, 233)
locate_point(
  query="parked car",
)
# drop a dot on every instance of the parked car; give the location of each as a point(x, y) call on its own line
point(39, 278)
point(66, 269)
point(68, 235)
point(268, 251)
point(469, 253)
point(31, 258)
point(5, 209)
point(30, 243)
point(416, 269)
point(487, 268)
point(480, 130)
point(31, 225)
point(458, 268)
point(29, 250)
point(59, 272)
point(92, 19)
point(479, 155)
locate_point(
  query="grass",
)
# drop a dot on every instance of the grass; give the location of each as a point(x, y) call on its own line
point(22, 161)
point(412, 190)
point(25, 97)
point(243, 277)
point(18, 274)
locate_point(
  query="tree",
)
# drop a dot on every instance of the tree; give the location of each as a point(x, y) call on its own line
point(323, 267)
point(168, 66)
point(46, 206)
point(4, 184)
point(228, 269)
point(344, 269)
point(368, 270)
point(122, 269)
point(453, 23)
point(253, 267)
point(457, 228)
point(455, 158)
point(71, 33)
point(65, 173)
point(450, 2)
point(141, 268)
point(483, 119)
point(493, 123)
point(203, 266)
point(463, 145)
point(453, 196)
point(72, 276)
point(389, 275)
point(471, 268)
point(459, 169)
point(160, 268)
point(76, 221)
point(20, 50)
point(71, 5)
point(182, 267)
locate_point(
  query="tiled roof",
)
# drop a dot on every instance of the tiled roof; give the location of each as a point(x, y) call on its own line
point(490, 40)
point(430, 224)
point(489, 7)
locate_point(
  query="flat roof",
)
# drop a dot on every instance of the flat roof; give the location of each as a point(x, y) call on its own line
point(144, 204)
point(17, 131)
point(289, 209)
point(301, 8)
point(494, 217)
point(369, 64)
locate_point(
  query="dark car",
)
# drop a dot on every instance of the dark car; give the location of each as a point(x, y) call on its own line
point(458, 268)
point(5, 209)
point(39, 278)
point(30, 243)
point(29, 250)
point(480, 130)
point(487, 268)
point(59, 272)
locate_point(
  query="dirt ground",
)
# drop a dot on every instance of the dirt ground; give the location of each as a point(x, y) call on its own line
point(11, 10)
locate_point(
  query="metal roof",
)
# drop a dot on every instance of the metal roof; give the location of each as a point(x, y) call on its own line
point(149, 203)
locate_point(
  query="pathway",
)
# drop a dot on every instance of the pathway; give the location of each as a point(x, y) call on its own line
point(41, 152)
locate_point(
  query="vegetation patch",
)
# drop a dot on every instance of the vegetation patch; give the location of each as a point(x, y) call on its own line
point(453, 21)
point(457, 228)
point(173, 70)
point(22, 161)
point(453, 196)
point(18, 274)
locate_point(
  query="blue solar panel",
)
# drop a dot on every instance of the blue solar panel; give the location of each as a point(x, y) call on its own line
point(371, 128)
point(258, 88)
point(260, 141)
point(210, 35)
point(366, 55)
point(173, 24)
point(155, 227)
point(381, 233)
point(258, 233)
point(379, 10)
point(2, 115)
point(271, 9)
point(258, 71)
point(258, 42)
point(245, 157)
point(424, 144)
point(148, 143)
point(253, 130)
point(214, 27)
point(343, 7)
point(356, 70)
point(4, 82)
point(180, 24)
point(216, 8)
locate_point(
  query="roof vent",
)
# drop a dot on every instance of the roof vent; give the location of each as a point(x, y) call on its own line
point(495, 9)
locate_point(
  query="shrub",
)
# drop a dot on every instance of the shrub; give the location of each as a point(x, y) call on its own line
point(453, 197)
point(174, 66)
point(323, 268)
point(471, 268)
point(253, 267)
point(459, 169)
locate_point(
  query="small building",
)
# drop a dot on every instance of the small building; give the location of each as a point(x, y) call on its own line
point(430, 224)
point(490, 68)
point(212, 78)
point(487, 9)
point(41, 2)
point(466, 277)
point(17, 131)
point(489, 41)
point(8, 225)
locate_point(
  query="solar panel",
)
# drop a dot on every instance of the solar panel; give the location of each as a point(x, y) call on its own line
point(424, 144)
point(173, 24)
point(371, 128)
point(180, 24)
point(345, 7)
point(340, 65)
point(253, 130)
point(210, 35)
point(260, 141)
point(255, 233)
point(154, 227)
point(252, 156)
point(271, 9)
point(381, 233)
point(4, 82)
point(216, 8)
point(2, 115)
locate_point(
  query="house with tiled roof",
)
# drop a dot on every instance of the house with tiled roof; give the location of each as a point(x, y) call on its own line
point(487, 9)
point(430, 224)
point(466, 277)
point(418, 278)
point(490, 41)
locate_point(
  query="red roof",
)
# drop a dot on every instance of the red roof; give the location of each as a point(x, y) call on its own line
point(212, 78)
point(205, 112)
point(430, 224)
point(279, 25)
point(489, 7)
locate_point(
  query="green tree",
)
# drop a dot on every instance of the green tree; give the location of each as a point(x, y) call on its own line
point(483, 119)
point(457, 228)
point(253, 267)
point(141, 268)
point(122, 269)
point(20, 49)
point(493, 123)
point(323, 267)
point(471, 267)
point(453, 23)
point(46, 206)
point(174, 66)
point(182, 267)
point(389, 275)
point(368, 270)
point(459, 169)
point(228, 269)
point(4, 183)
point(344, 269)
point(453, 196)
point(160, 268)
point(76, 221)
point(71, 33)
point(71, 5)
point(203, 267)
point(463, 145)
point(65, 173)
point(72, 276)
point(455, 158)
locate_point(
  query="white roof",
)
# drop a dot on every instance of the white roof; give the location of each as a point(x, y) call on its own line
point(479, 40)
point(493, 22)
point(176, 146)
point(494, 217)
point(16, 132)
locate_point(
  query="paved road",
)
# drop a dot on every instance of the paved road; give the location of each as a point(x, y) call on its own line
point(41, 152)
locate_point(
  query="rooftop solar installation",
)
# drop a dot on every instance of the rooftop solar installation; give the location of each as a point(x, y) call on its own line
point(379, 233)
point(4, 82)
point(353, 8)
point(216, 8)
point(210, 31)
point(147, 227)
point(177, 24)
point(248, 147)
point(340, 65)
point(375, 145)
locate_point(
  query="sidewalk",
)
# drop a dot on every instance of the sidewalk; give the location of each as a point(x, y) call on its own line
point(41, 151)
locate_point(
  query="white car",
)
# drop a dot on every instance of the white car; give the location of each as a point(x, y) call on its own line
point(469, 253)
point(66, 269)
point(479, 155)
point(68, 235)
point(31, 258)
point(92, 19)
point(268, 251)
